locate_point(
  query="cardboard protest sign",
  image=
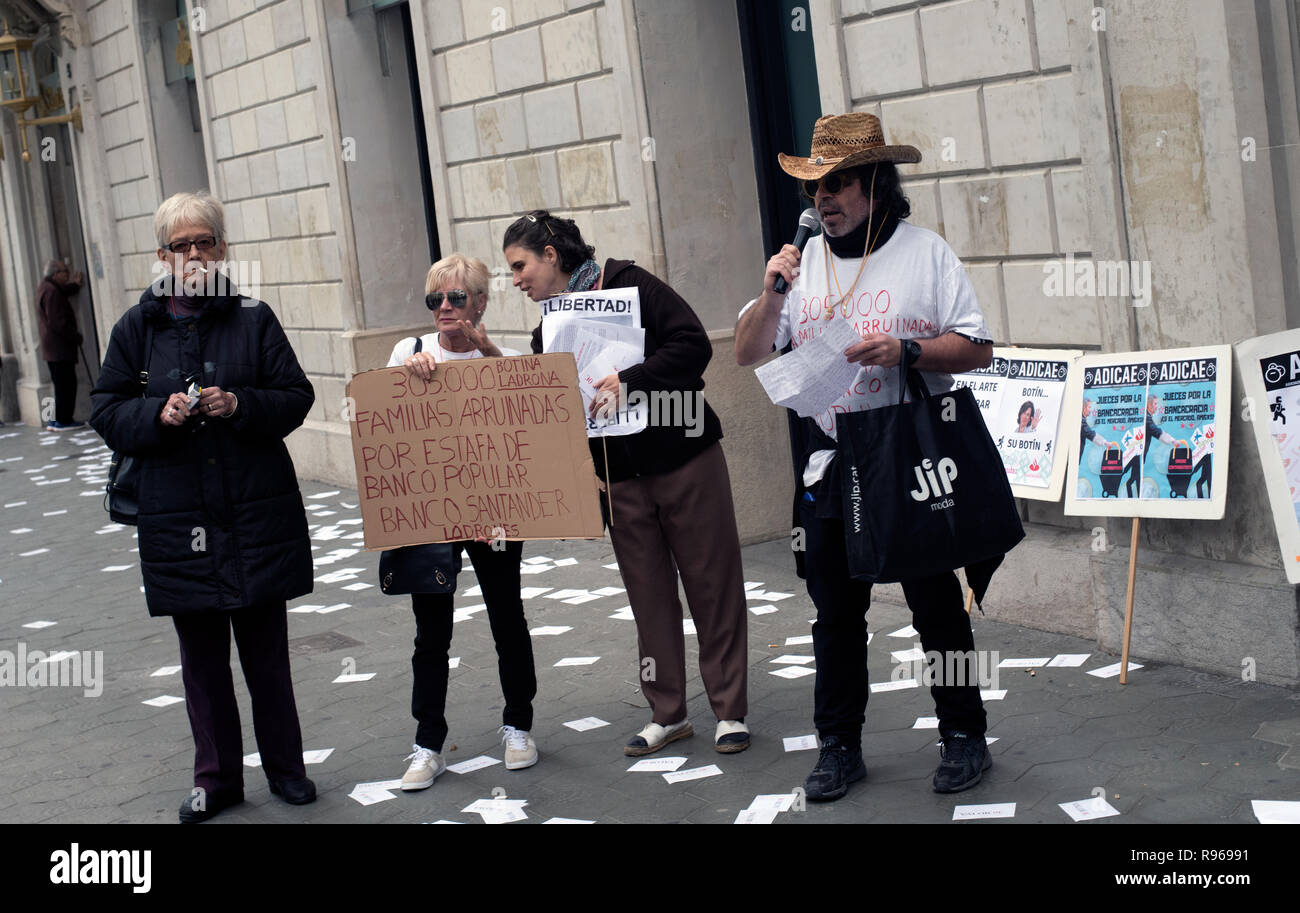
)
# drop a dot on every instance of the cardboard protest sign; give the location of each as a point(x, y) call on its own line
point(1149, 449)
point(603, 331)
point(1021, 395)
point(1270, 369)
point(489, 447)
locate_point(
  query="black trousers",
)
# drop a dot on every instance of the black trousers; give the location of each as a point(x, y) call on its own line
point(840, 637)
point(63, 374)
point(498, 575)
point(262, 635)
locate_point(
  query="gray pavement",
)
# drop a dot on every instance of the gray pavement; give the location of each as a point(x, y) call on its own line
point(1173, 745)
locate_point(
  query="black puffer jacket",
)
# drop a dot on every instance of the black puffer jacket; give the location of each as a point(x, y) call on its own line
point(221, 523)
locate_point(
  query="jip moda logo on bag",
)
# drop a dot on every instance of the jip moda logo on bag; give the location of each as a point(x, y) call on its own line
point(930, 485)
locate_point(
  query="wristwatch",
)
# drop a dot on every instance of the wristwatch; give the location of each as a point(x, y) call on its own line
point(911, 351)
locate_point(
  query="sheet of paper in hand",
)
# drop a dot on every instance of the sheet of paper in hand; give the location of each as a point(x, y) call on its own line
point(603, 331)
point(489, 447)
point(815, 375)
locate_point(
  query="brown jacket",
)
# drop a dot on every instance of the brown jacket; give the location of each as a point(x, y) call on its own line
point(57, 320)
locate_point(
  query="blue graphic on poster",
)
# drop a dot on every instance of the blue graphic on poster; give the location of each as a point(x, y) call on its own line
point(1178, 429)
point(1112, 431)
point(1281, 374)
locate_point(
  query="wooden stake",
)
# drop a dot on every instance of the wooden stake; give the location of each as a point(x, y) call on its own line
point(1128, 603)
point(970, 599)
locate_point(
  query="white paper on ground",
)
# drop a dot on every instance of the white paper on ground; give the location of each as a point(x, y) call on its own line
point(567, 821)
point(1270, 811)
point(762, 609)
point(1024, 663)
point(453, 662)
point(579, 600)
point(478, 806)
point(577, 661)
point(798, 639)
point(894, 686)
point(790, 658)
point(753, 585)
point(537, 559)
point(37, 625)
point(546, 630)
point(475, 590)
point(991, 810)
point(800, 742)
point(907, 656)
point(792, 672)
point(112, 567)
point(565, 594)
point(536, 568)
point(753, 815)
point(323, 494)
point(42, 551)
point(359, 585)
point(165, 700)
point(656, 765)
point(587, 722)
point(992, 695)
point(1069, 659)
point(778, 802)
point(695, 773)
point(472, 764)
point(1087, 809)
point(688, 626)
point(316, 755)
point(337, 607)
point(369, 796)
point(306, 609)
point(566, 562)
point(608, 591)
point(353, 677)
point(165, 670)
point(768, 595)
point(610, 567)
point(1113, 670)
point(926, 722)
point(624, 614)
point(816, 374)
point(527, 592)
point(908, 631)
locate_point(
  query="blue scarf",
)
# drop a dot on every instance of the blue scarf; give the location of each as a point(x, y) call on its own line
point(583, 279)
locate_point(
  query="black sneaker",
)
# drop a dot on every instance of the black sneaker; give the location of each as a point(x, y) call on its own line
point(837, 766)
point(964, 760)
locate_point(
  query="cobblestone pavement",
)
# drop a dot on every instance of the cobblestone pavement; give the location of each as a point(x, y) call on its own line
point(1174, 745)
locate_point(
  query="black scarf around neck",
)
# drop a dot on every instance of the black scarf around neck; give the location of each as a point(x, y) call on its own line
point(854, 244)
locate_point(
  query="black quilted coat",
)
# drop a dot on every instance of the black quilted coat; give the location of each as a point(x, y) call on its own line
point(221, 522)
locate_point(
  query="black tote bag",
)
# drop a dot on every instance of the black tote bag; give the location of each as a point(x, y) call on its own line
point(924, 490)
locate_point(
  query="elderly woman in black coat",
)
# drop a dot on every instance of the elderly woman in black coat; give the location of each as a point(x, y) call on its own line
point(222, 530)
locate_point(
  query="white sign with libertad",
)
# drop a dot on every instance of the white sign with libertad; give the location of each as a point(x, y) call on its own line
point(603, 330)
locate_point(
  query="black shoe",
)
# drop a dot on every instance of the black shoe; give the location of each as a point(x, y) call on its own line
point(295, 792)
point(837, 767)
point(964, 760)
point(200, 805)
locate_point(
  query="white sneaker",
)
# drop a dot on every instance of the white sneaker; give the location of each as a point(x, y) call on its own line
point(521, 750)
point(425, 767)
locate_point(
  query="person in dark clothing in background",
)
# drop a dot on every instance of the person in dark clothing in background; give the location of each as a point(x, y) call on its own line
point(222, 530)
point(60, 339)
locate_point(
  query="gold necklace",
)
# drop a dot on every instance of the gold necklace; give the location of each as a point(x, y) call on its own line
point(866, 254)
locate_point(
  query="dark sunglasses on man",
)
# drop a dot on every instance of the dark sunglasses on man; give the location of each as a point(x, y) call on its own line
point(207, 242)
point(457, 298)
point(833, 183)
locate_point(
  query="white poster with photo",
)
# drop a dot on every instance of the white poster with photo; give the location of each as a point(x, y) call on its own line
point(1021, 395)
point(1270, 370)
point(1149, 433)
point(603, 331)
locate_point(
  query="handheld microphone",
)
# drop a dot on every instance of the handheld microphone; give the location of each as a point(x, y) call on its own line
point(809, 222)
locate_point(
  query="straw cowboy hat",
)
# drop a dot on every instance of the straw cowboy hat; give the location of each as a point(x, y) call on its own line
point(842, 141)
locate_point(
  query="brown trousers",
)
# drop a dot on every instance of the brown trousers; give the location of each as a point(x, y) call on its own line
point(684, 521)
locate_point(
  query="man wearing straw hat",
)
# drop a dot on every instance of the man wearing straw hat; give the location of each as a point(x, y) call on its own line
point(903, 290)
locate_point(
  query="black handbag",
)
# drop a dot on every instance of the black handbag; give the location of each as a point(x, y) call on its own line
point(419, 569)
point(923, 488)
point(121, 494)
